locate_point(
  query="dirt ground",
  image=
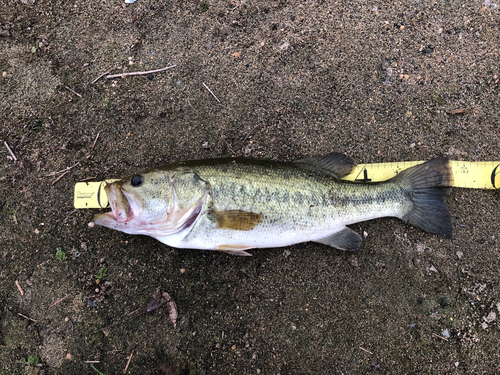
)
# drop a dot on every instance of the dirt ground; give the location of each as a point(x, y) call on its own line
point(380, 81)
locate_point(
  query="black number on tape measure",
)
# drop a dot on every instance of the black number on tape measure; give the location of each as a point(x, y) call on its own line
point(365, 177)
point(493, 175)
point(99, 195)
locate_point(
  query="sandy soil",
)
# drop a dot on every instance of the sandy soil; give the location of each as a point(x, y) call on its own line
point(377, 80)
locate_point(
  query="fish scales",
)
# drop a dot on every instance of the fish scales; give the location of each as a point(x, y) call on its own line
point(237, 204)
point(286, 193)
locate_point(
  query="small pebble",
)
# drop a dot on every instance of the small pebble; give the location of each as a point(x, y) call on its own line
point(91, 224)
point(233, 347)
point(433, 269)
point(4, 74)
point(69, 356)
point(446, 333)
point(460, 255)
point(491, 317)
point(498, 307)
point(183, 270)
point(484, 325)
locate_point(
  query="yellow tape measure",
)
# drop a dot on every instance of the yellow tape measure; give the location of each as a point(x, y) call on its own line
point(466, 174)
point(91, 194)
point(472, 175)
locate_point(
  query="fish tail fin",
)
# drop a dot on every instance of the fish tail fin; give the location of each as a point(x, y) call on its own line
point(427, 184)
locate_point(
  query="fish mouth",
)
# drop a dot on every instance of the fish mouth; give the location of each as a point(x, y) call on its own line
point(121, 211)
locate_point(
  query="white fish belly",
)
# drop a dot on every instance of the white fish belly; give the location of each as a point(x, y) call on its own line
point(284, 232)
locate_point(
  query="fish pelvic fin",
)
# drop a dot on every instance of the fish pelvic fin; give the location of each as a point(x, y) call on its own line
point(235, 250)
point(426, 186)
point(345, 239)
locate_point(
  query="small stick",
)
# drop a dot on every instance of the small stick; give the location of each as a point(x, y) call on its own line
point(43, 263)
point(365, 350)
point(103, 74)
point(128, 363)
point(73, 91)
point(95, 140)
point(27, 317)
point(58, 178)
point(250, 132)
point(59, 301)
point(140, 73)
point(63, 170)
point(210, 91)
point(19, 287)
point(441, 337)
point(92, 361)
point(88, 178)
point(10, 151)
point(458, 111)
point(133, 312)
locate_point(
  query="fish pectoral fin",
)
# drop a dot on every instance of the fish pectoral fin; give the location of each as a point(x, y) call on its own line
point(345, 239)
point(236, 219)
point(334, 164)
point(235, 249)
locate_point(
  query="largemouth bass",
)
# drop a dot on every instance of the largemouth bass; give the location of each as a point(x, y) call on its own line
point(236, 204)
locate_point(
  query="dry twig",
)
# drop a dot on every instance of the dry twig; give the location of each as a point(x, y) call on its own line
point(458, 111)
point(210, 91)
point(87, 179)
point(140, 73)
point(73, 91)
point(103, 74)
point(59, 301)
point(365, 350)
point(128, 362)
point(63, 170)
point(10, 151)
point(27, 317)
point(441, 337)
point(95, 141)
point(58, 178)
point(19, 287)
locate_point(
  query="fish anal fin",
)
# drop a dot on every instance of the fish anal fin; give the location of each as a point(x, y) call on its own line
point(235, 249)
point(345, 239)
point(335, 164)
point(236, 219)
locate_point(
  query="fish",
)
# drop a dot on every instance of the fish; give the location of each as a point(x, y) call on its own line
point(236, 204)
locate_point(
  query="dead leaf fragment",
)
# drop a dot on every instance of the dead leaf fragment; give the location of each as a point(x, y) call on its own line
point(171, 307)
point(236, 55)
point(154, 304)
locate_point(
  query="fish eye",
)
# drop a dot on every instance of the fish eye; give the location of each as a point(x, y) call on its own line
point(137, 180)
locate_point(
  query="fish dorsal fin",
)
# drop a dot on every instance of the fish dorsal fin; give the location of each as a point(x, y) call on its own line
point(236, 219)
point(334, 164)
point(345, 239)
